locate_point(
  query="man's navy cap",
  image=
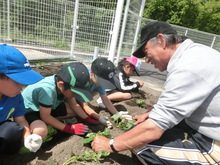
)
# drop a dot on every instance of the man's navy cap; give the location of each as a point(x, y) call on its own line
point(151, 30)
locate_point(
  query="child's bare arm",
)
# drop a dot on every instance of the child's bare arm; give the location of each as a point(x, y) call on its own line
point(108, 104)
point(89, 111)
point(45, 114)
point(21, 120)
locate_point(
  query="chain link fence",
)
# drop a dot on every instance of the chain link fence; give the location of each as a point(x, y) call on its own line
point(51, 29)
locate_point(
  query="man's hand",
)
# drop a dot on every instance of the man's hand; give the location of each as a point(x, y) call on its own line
point(101, 143)
point(104, 120)
point(78, 129)
point(33, 142)
point(142, 117)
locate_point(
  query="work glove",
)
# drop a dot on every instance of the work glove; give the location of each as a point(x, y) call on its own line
point(104, 121)
point(78, 129)
point(90, 121)
point(33, 142)
point(124, 114)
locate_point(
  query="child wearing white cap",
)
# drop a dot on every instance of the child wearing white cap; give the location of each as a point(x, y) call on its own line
point(15, 74)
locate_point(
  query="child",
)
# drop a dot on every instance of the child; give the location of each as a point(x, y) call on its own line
point(15, 74)
point(53, 99)
point(127, 67)
point(102, 69)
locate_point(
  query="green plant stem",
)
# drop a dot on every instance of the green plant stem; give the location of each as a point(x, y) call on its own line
point(74, 161)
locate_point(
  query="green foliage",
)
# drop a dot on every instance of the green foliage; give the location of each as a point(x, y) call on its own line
point(181, 12)
point(141, 103)
point(122, 123)
point(88, 155)
point(61, 45)
point(209, 17)
point(51, 131)
point(90, 136)
point(198, 14)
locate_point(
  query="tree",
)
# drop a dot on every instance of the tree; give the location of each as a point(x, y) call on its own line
point(202, 15)
point(181, 12)
point(209, 17)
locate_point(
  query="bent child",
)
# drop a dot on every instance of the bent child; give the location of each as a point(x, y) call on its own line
point(123, 86)
point(102, 68)
point(53, 99)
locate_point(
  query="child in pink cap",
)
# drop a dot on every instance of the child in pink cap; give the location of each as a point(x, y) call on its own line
point(123, 86)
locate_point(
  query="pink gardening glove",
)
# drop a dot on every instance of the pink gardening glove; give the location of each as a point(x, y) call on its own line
point(78, 129)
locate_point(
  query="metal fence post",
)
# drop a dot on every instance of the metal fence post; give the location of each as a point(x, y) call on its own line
point(115, 30)
point(213, 41)
point(96, 52)
point(8, 20)
point(64, 23)
point(186, 32)
point(74, 29)
point(122, 31)
point(138, 25)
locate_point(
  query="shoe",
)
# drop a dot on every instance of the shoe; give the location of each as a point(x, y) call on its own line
point(100, 103)
point(70, 121)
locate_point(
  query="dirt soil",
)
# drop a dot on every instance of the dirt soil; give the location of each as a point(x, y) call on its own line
point(62, 146)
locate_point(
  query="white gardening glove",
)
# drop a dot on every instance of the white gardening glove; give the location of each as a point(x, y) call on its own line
point(104, 120)
point(33, 142)
point(124, 114)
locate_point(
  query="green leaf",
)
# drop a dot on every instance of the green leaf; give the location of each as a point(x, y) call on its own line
point(90, 136)
point(87, 140)
point(104, 153)
point(115, 117)
point(104, 133)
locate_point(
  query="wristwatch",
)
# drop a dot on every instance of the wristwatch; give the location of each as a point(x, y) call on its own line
point(111, 142)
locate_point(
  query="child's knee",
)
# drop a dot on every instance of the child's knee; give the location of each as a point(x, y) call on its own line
point(127, 96)
point(40, 128)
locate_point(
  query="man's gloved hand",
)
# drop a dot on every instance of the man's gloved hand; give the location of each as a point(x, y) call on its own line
point(78, 129)
point(124, 114)
point(33, 142)
point(104, 120)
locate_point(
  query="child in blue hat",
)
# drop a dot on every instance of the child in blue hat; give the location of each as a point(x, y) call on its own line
point(15, 74)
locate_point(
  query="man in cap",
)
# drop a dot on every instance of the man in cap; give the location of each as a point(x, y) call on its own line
point(102, 69)
point(183, 126)
point(15, 74)
point(53, 99)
